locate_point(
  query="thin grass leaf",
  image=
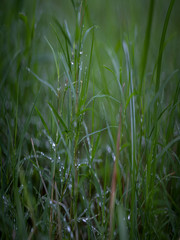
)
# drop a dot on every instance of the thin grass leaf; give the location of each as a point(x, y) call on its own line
point(85, 35)
point(42, 120)
point(161, 46)
point(58, 117)
point(59, 40)
point(161, 89)
point(110, 70)
point(54, 113)
point(116, 66)
point(22, 232)
point(23, 18)
point(68, 32)
point(95, 132)
point(133, 168)
point(68, 76)
point(42, 81)
point(72, 1)
point(109, 131)
point(20, 216)
point(146, 43)
point(55, 58)
point(95, 145)
point(123, 229)
point(129, 98)
point(89, 65)
point(63, 32)
point(102, 96)
point(168, 146)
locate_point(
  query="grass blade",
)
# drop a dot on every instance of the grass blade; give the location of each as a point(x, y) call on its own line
point(42, 81)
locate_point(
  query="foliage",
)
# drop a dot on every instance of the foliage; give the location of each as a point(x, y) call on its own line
point(89, 124)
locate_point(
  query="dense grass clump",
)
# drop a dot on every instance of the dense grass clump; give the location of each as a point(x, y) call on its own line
point(90, 116)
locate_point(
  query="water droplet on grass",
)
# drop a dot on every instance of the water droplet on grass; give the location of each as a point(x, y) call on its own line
point(85, 220)
point(68, 229)
point(21, 188)
point(108, 148)
point(113, 157)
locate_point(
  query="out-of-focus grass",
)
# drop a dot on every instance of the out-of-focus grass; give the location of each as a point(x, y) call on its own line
point(89, 124)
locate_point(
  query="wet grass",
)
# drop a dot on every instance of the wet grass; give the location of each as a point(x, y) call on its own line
point(89, 125)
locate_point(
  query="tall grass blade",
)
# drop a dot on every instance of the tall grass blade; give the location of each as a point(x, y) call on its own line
point(161, 46)
point(146, 42)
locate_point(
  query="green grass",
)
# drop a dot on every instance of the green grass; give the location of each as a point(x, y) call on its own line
point(89, 124)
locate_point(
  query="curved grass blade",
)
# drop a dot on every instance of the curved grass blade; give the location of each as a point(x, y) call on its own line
point(55, 116)
point(63, 32)
point(161, 46)
point(102, 96)
point(58, 38)
point(95, 132)
point(42, 81)
point(85, 35)
point(168, 146)
point(58, 117)
point(42, 120)
point(55, 58)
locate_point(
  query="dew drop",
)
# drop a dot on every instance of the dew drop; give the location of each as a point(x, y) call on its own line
point(21, 188)
point(113, 157)
point(68, 229)
point(108, 148)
